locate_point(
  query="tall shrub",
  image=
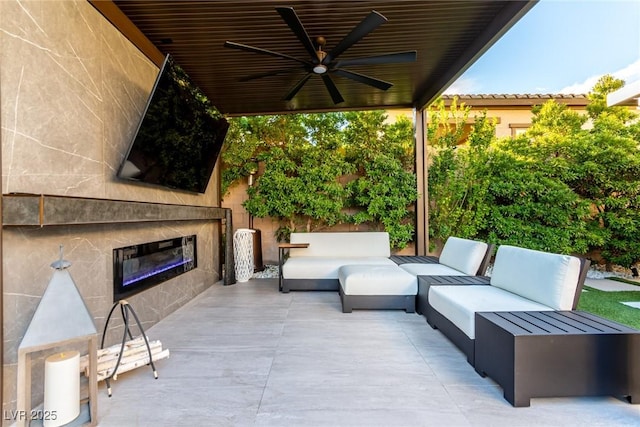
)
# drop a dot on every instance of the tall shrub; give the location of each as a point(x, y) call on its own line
point(457, 173)
point(323, 169)
point(532, 204)
point(608, 175)
point(384, 191)
point(382, 195)
point(529, 208)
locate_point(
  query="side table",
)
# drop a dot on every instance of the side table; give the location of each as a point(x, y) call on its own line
point(282, 247)
point(556, 354)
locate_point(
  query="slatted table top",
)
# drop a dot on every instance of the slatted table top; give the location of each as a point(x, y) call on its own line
point(293, 245)
point(413, 259)
point(521, 323)
point(455, 280)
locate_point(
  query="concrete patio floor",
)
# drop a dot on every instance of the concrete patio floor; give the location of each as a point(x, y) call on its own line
point(247, 355)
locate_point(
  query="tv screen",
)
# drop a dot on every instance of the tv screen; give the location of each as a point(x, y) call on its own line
point(179, 137)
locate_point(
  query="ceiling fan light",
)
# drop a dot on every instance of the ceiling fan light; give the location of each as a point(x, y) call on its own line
point(320, 69)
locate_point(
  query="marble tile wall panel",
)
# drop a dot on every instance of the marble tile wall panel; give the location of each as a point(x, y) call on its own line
point(28, 253)
point(51, 97)
point(72, 90)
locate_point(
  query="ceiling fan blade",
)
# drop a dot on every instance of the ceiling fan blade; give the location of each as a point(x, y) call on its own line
point(380, 84)
point(291, 18)
point(368, 24)
point(333, 90)
point(268, 74)
point(390, 58)
point(295, 89)
point(247, 48)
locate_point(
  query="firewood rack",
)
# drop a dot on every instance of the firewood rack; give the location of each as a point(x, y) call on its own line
point(125, 310)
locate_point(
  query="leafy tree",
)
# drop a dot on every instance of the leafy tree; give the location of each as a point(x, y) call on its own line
point(249, 137)
point(608, 175)
point(383, 194)
point(458, 176)
point(529, 208)
point(571, 184)
point(532, 203)
point(300, 186)
point(368, 134)
point(383, 155)
point(599, 160)
point(314, 162)
point(399, 137)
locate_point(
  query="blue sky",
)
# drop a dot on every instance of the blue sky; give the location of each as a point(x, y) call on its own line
point(560, 46)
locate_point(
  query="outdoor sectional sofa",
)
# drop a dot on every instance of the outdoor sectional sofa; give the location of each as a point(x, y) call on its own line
point(519, 326)
point(315, 258)
point(358, 265)
point(459, 257)
point(521, 280)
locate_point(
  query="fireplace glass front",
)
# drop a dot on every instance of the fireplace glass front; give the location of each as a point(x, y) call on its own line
point(139, 267)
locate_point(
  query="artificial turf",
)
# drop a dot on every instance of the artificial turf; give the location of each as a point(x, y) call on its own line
point(609, 305)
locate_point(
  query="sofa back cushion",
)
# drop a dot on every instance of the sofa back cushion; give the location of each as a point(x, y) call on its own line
point(352, 244)
point(463, 254)
point(546, 278)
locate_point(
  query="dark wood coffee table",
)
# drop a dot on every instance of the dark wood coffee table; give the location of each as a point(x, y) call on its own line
point(556, 354)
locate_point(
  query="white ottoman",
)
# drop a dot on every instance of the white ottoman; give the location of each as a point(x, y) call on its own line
point(380, 287)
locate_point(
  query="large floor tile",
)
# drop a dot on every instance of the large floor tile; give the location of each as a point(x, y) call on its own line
point(248, 355)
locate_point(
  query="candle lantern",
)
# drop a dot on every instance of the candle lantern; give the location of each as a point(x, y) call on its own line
point(60, 320)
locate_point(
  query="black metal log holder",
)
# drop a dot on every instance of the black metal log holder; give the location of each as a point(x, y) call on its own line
point(125, 309)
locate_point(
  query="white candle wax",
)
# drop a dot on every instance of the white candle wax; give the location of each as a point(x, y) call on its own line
point(61, 388)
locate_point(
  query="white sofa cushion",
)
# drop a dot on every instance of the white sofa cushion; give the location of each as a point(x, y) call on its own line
point(354, 244)
point(546, 278)
point(463, 254)
point(376, 280)
point(460, 303)
point(430, 270)
point(324, 267)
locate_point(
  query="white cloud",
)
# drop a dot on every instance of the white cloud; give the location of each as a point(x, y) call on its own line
point(629, 74)
point(464, 85)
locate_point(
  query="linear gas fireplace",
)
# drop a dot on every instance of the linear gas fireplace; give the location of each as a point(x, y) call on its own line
point(139, 267)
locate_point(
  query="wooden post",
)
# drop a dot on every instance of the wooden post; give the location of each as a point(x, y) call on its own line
point(93, 379)
point(422, 204)
point(229, 271)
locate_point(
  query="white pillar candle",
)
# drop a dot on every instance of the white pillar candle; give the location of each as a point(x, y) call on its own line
point(61, 388)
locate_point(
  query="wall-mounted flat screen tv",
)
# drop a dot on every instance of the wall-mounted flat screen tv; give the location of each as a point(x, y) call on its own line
point(179, 137)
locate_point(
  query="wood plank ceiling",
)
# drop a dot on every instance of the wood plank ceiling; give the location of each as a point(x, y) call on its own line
point(447, 35)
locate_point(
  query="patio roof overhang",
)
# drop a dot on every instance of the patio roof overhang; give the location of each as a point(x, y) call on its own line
point(448, 36)
point(628, 96)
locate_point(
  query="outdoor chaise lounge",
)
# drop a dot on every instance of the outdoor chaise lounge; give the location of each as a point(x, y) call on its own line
point(521, 280)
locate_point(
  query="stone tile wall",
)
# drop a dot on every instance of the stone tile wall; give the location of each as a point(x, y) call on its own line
point(72, 90)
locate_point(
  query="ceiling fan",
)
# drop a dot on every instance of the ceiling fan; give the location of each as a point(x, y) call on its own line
point(324, 63)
